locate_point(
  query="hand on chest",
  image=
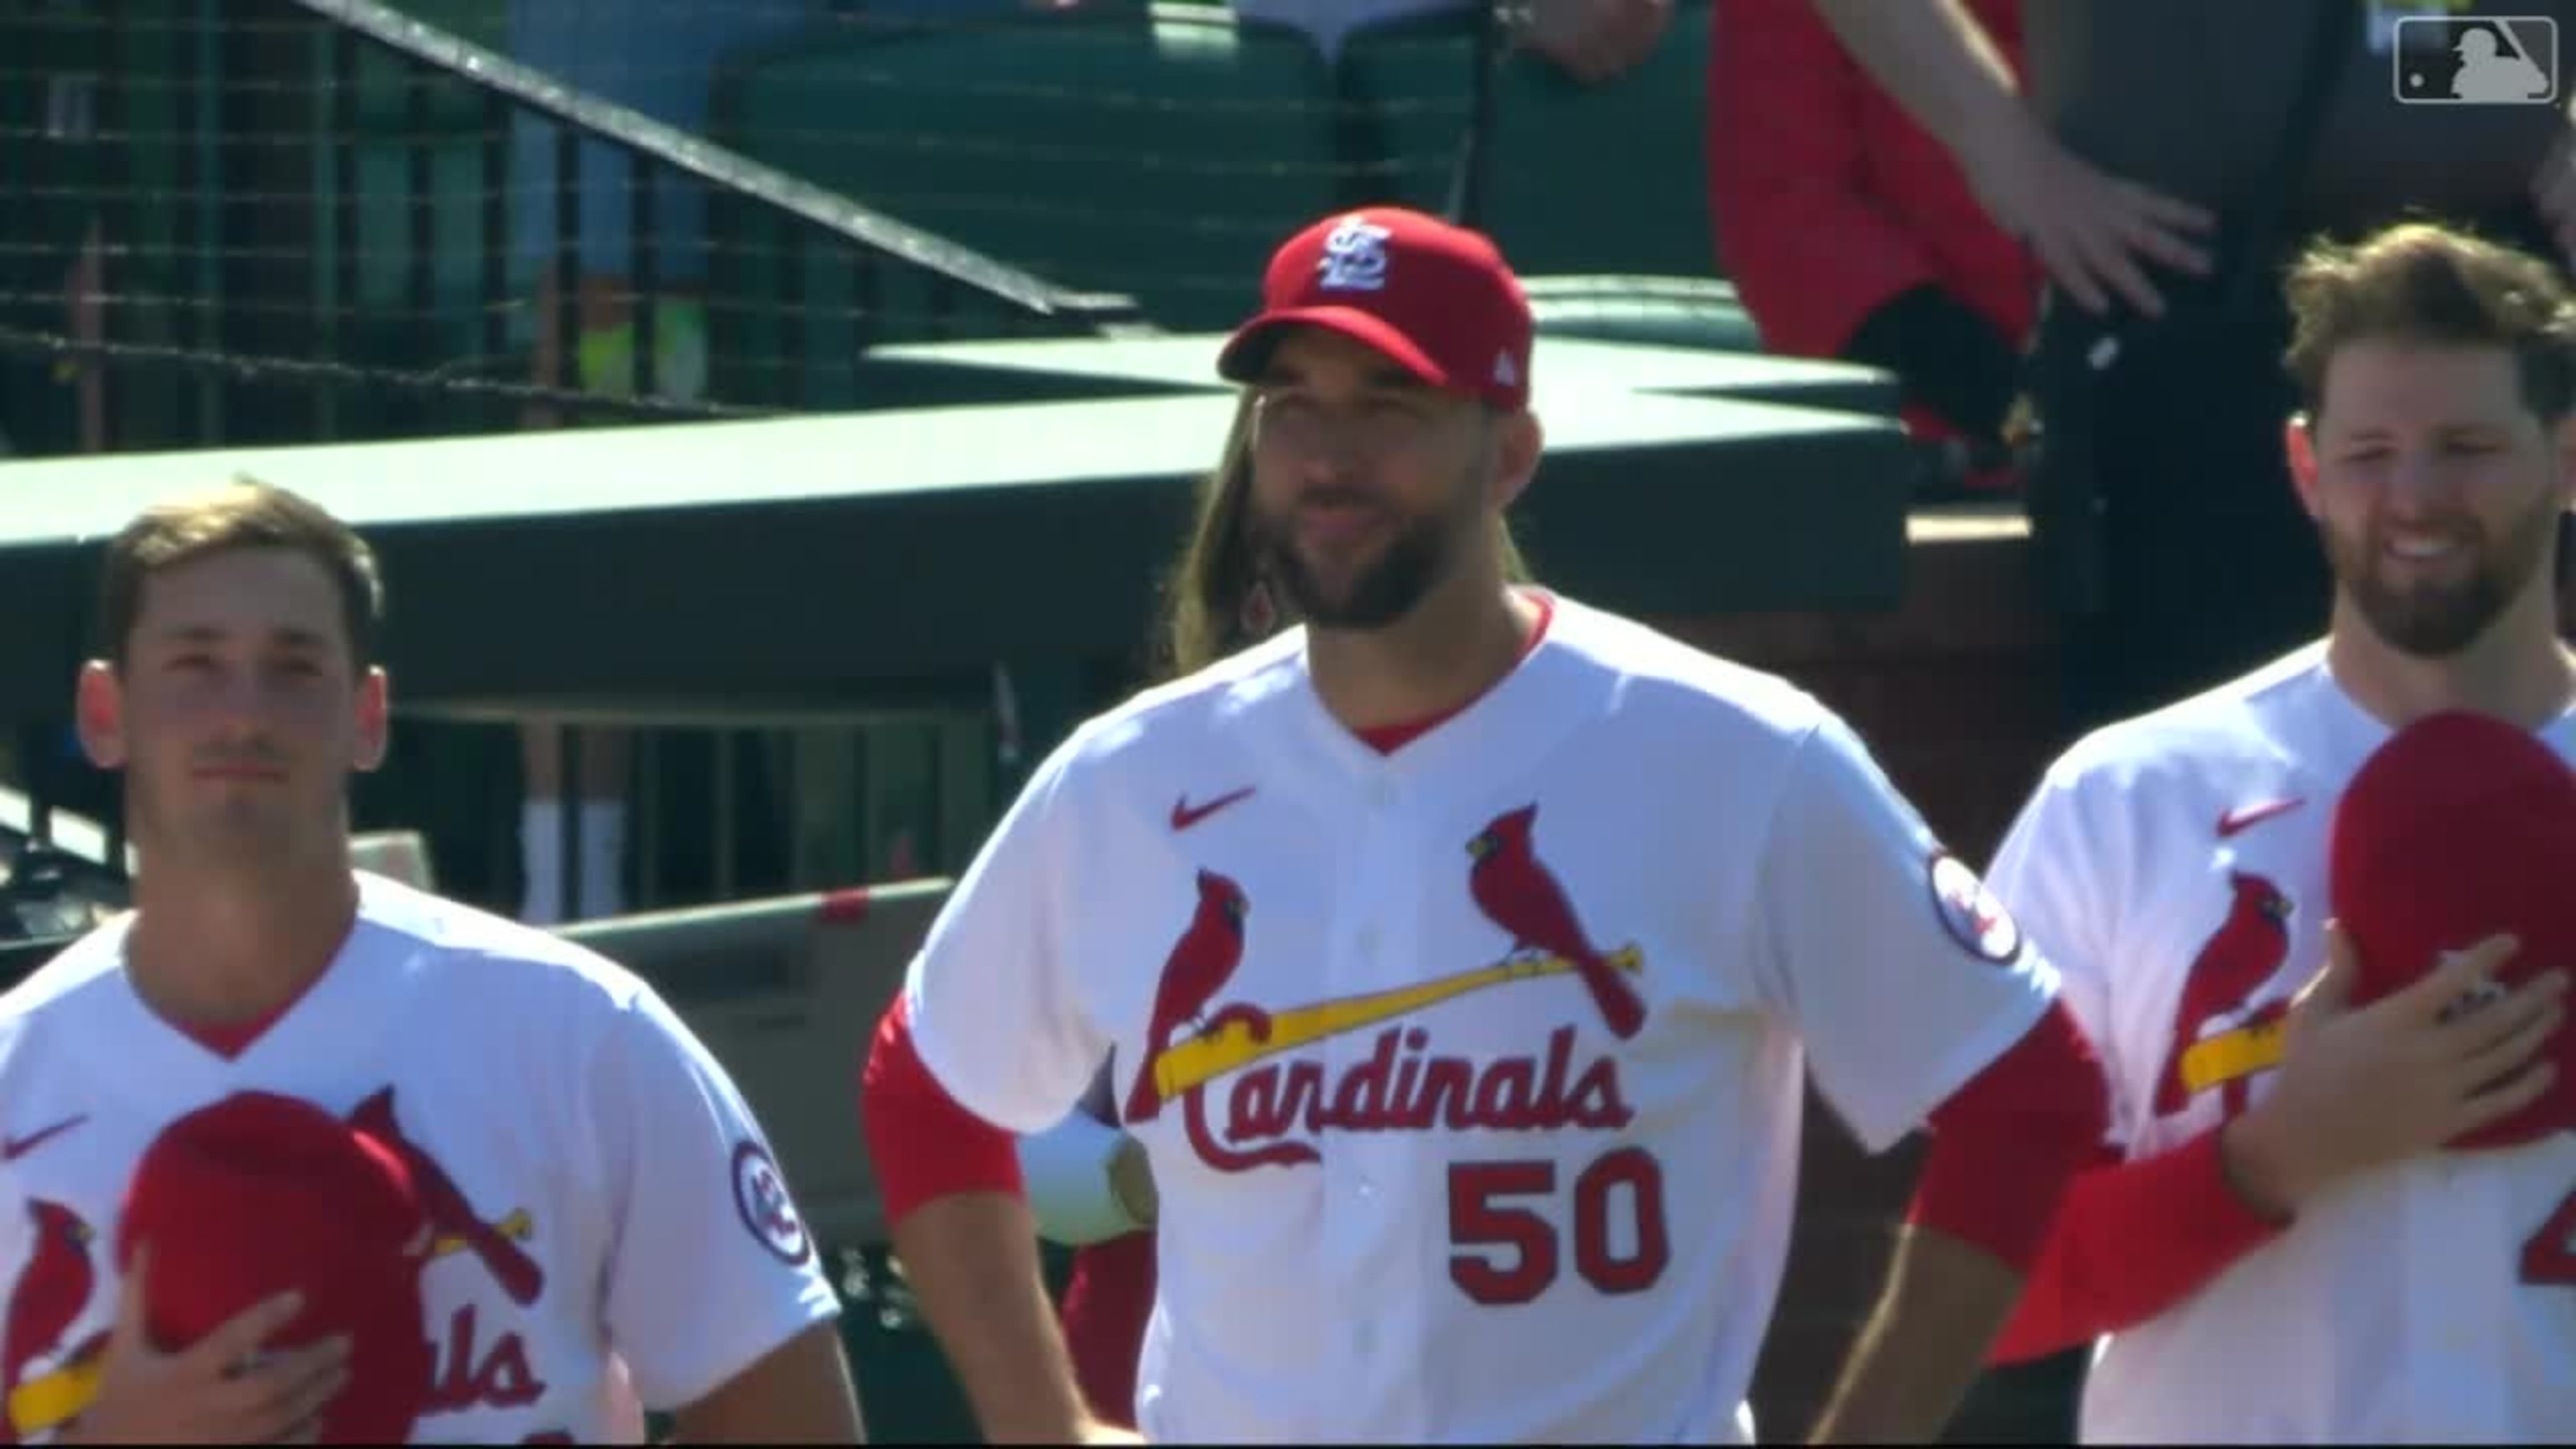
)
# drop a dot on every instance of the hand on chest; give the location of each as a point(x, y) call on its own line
point(483, 1274)
point(1489, 968)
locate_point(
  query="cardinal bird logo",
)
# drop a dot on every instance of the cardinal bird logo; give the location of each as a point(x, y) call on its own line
point(1202, 961)
point(2247, 950)
point(49, 1298)
point(452, 1219)
point(1516, 892)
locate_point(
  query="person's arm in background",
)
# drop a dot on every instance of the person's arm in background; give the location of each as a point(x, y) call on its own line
point(1595, 41)
point(2090, 230)
point(1936, 61)
point(1820, 264)
point(1810, 253)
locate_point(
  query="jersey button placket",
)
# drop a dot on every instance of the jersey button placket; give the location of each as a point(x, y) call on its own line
point(1376, 875)
point(1349, 1234)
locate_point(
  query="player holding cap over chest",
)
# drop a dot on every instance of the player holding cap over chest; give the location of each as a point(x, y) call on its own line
point(1459, 954)
point(291, 1151)
point(2319, 920)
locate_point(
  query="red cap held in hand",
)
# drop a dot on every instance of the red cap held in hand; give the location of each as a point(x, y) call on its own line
point(2458, 828)
point(258, 1194)
point(1436, 298)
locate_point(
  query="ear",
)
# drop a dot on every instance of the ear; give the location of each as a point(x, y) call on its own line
point(1518, 440)
point(98, 707)
point(2301, 446)
point(375, 719)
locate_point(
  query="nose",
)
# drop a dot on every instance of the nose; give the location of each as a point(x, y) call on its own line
point(238, 704)
point(2418, 478)
point(1330, 449)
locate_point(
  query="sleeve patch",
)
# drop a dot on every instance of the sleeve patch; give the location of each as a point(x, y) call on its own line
point(760, 1195)
point(1973, 915)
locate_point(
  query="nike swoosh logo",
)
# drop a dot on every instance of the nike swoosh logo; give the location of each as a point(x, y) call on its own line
point(1185, 814)
point(2247, 816)
point(17, 1147)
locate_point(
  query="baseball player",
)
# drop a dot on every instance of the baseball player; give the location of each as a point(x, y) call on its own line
point(1088, 1184)
point(1460, 950)
point(2274, 1250)
point(610, 1233)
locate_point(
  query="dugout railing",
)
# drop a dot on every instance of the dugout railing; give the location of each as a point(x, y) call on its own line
point(299, 212)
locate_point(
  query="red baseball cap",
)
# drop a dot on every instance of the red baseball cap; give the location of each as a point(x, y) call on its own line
point(1438, 299)
point(260, 1193)
point(2461, 826)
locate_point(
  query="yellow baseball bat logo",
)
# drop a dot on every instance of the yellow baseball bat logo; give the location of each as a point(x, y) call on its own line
point(1202, 1059)
point(2218, 1060)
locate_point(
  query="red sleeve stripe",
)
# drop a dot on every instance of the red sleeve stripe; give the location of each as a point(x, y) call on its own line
point(2007, 1143)
point(924, 1143)
point(2132, 1240)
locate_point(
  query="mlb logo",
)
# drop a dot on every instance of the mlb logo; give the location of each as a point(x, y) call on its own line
point(2483, 60)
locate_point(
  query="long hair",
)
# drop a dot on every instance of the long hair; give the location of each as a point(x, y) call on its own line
point(1216, 601)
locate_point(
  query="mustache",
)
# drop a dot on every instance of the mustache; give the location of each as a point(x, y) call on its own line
point(1272, 527)
point(1337, 495)
point(2456, 527)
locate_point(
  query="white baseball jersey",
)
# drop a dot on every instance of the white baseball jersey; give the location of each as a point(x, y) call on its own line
point(1414, 1183)
point(610, 1224)
point(2174, 869)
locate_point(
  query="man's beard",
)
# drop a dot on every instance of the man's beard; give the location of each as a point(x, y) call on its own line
point(2436, 621)
point(1421, 556)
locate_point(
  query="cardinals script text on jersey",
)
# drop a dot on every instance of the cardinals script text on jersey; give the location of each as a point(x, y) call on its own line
point(1456, 1061)
point(2174, 867)
point(516, 1076)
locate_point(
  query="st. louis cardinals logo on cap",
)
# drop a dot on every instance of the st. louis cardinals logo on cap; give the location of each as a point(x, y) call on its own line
point(1972, 914)
point(1436, 299)
point(1354, 257)
point(760, 1195)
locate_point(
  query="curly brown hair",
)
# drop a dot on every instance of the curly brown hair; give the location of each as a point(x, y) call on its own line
point(2426, 283)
